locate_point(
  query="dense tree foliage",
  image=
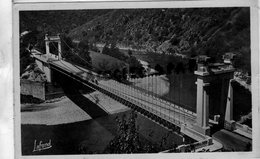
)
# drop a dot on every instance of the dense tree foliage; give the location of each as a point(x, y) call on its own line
point(159, 69)
point(180, 68)
point(25, 54)
point(25, 59)
point(135, 67)
point(112, 50)
point(128, 139)
point(35, 39)
point(83, 52)
point(210, 31)
point(170, 67)
point(55, 22)
point(186, 31)
point(192, 64)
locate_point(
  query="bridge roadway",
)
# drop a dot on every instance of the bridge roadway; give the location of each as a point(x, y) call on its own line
point(129, 96)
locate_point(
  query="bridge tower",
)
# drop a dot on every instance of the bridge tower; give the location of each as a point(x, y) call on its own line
point(229, 122)
point(212, 78)
point(48, 39)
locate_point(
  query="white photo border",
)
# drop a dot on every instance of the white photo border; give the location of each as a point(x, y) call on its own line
point(23, 5)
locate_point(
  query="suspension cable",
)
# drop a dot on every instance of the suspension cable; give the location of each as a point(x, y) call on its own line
point(184, 107)
point(59, 52)
point(179, 99)
point(72, 52)
point(173, 97)
point(72, 64)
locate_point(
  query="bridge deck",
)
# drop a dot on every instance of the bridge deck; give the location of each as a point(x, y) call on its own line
point(154, 105)
point(164, 109)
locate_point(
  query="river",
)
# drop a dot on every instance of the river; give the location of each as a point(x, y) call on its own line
point(90, 136)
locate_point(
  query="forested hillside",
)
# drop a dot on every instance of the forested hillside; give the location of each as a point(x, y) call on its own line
point(56, 21)
point(210, 31)
point(190, 31)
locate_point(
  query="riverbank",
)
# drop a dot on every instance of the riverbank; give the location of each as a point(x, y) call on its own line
point(63, 110)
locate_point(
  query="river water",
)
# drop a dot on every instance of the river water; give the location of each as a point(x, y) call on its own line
point(91, 136)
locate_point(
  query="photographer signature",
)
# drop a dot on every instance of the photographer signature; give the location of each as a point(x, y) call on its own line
point(41, 146)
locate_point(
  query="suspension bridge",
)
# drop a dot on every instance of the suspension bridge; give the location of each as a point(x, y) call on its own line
point(171, 115)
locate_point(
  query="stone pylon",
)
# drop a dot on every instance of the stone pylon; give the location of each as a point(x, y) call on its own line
point(48, 39)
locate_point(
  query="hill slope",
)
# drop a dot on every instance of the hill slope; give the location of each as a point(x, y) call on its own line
point(187, 31)
point(210, 31)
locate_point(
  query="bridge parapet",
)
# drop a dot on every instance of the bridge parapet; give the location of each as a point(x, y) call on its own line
point(191, 132)
point(242, 129)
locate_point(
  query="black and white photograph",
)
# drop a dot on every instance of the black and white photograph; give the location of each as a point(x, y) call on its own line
point(161, 80)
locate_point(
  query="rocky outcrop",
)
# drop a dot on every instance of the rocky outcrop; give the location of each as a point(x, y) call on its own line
point(34, 73)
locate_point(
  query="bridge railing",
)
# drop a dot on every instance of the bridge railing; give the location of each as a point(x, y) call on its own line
point(158, 107)
point(168, 111)
point(193, 146)
point(157, 100)
point(162, 97)
point(243, 127)
point(164, 100)
point(152, 110)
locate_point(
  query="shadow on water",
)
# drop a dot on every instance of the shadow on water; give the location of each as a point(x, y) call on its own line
point(68, 138)
point(92, 135)
point(72, 89)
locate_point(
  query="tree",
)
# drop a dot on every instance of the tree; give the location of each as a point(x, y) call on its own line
point(170, 67)
point(83, 52)
point(130, 53)
point(124, 73)
point(114, 51)
point(105, 49)
point(133, 62)
point(159, 69)
point(29, 39)
point(104, 65)
point(117, 75)
point(128, 140)
point(192, 64)
point(66, 46)
point(25, 59)
point(135, 67)
point(180, 68)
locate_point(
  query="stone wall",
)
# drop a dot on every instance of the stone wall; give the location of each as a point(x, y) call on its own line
point(36, 89)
